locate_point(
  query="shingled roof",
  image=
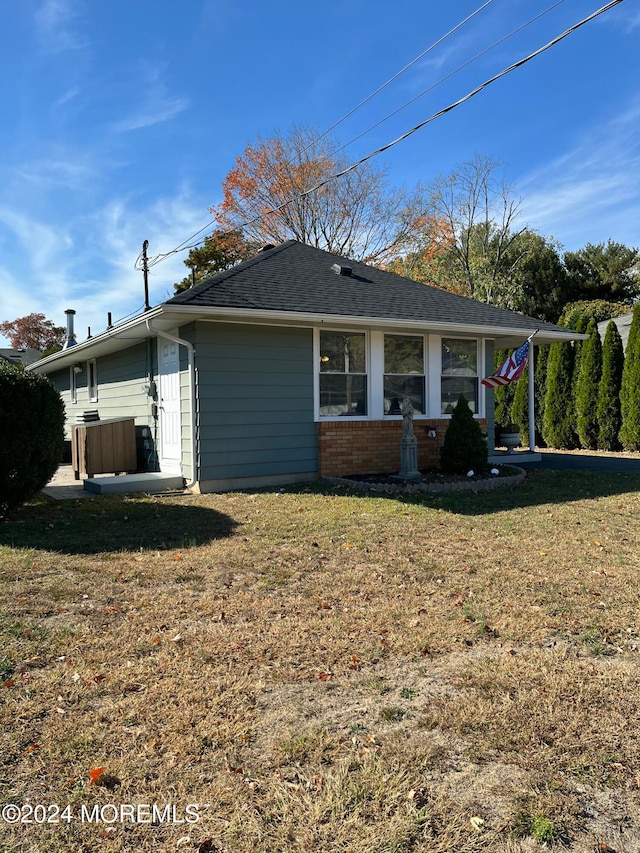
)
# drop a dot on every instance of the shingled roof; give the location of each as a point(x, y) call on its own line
point(293, 277)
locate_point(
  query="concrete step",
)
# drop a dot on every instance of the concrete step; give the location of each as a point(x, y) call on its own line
point(151, 482)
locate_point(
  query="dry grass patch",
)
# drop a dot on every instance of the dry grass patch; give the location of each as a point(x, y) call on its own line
point(321, 671)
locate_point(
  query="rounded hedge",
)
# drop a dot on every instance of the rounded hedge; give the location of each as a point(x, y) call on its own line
point(464, 447)
point(31, 435)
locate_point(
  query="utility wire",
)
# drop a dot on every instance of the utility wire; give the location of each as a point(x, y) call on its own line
point(451, 74)
point(413, 130)
point(399, 73)
point(357, 107)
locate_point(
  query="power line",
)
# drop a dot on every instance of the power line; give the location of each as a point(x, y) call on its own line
point(451, 74)
point(357, 107)
point(414, 129)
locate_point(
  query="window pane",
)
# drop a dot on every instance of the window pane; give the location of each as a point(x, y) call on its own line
point(403, 354)
point(452, 387)
point(342, 395)
point(396, 388)
point(342, 352)
point(459, 358)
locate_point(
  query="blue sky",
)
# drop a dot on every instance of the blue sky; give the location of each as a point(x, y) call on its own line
point(122, 118)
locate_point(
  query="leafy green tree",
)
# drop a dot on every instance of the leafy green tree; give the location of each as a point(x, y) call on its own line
point(608, 408)
point(31, 435)
point(596, 309)
point(542, 288)
point(464, 447)
point(610, 272)
point(630, 387)
point(558, 427)
point(220, 251)
point(587, 386)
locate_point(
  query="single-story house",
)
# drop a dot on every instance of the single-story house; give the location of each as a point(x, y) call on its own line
point(289, 366)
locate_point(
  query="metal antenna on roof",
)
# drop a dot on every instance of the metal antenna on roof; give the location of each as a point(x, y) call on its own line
point(145, 273)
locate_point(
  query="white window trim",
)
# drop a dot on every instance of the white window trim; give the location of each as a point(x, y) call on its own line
point(374, 353)
point(424, 374)
point(316, 375)
point(92, 391)
point(480, 349)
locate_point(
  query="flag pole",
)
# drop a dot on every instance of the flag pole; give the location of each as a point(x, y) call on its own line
point(532, 397)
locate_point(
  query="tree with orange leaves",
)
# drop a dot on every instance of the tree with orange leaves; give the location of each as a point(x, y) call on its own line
point(283, 188)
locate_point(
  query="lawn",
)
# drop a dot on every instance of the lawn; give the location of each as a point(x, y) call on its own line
point(324, 670)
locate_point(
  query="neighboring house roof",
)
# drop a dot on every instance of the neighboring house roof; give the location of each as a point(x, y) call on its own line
point(293, 283)
point(623, 324)
point(20, 355)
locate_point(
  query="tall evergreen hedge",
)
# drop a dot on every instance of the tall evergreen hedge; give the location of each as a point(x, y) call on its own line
point(31, 435)
point(542, 359)
point(587, 384)
point(608, 408)
point(630, 389)
point(503, 396)
point(520, 406)
point(558, 427)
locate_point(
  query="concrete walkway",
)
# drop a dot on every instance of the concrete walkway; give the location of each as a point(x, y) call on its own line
point(64, 486)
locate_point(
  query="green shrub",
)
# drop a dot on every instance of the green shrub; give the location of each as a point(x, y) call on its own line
point(503, 396)
point(520, 407)
point(630, 388)
point(608, 410)
point(464, 447)
point(587, 385)
point(31, 435)
point(558, 428)
point(542, 360)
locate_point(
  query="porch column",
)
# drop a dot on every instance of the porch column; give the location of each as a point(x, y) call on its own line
point(532, 397)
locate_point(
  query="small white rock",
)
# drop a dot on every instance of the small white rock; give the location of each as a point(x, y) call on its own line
point(495, 472)
point(470, 473)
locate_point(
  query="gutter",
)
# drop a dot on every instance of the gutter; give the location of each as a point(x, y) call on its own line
point(192, 393)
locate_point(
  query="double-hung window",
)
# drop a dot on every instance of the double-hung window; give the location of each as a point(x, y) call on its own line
point(404, 373)
point(459, 374)
point(343, 374)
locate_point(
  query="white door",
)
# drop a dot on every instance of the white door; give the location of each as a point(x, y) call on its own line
point(169, 405)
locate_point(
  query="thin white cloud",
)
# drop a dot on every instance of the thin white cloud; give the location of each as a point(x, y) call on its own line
point(56, 26)
point(89, 264)
point(592, 191)
point(154, 113)
point(156, 104)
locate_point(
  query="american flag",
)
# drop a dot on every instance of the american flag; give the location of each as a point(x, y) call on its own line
point(512, 367)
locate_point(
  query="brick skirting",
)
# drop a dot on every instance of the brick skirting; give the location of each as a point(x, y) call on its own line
point(373, 447)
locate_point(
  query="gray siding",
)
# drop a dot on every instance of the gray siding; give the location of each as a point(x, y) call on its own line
point(121, 380)
point(255, 389)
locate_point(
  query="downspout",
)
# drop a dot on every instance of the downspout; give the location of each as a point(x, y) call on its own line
point(192, 394)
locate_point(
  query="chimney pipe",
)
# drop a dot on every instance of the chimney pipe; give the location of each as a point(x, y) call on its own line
point(71, 338)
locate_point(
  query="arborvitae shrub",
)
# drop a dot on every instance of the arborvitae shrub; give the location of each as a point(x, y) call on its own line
point(464, 446)
point(503, 396)
point(542, 358)
point(587, 385)
point(608, 409)
point(630, 388)
point(558, 428)
point(520, 407)
point(31, 435)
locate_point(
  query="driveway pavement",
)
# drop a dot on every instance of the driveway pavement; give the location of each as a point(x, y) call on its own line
point(558, 461)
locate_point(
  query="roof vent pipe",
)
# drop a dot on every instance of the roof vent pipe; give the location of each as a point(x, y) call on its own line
point(71, 337)
point(339, 269)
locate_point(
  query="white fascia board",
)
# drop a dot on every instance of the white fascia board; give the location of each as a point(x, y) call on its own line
point(292, 318)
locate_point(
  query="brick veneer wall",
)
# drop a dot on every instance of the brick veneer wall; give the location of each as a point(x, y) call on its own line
point(373, 447)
